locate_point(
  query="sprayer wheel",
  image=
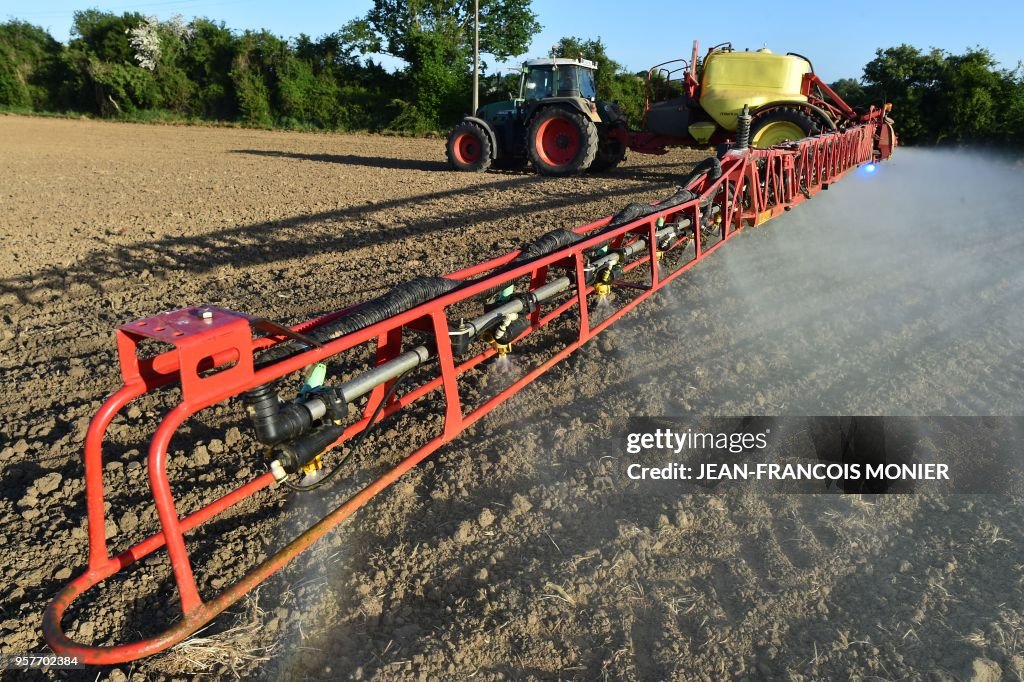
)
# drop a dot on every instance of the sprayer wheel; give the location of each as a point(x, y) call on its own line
point(781, 125)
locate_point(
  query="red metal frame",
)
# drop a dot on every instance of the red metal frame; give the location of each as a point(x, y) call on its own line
point(212, 360)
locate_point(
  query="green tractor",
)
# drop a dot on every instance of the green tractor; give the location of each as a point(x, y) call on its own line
point(556, 123)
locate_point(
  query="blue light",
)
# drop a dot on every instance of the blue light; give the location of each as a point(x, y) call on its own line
point(870, 168)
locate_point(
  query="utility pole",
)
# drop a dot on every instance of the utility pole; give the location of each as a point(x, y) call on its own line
point(476, 56)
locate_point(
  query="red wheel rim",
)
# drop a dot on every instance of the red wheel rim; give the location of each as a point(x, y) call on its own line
point(558, 141)
point(466, 148)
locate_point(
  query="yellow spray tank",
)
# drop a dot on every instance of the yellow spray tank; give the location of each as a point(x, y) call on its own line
point(701, 107)
point(732, 79)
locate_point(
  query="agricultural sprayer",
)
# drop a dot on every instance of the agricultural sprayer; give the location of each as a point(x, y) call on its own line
point(558, 124)
point(413, 348)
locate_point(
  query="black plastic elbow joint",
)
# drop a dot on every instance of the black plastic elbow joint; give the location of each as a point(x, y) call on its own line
point(272, 421)
point(298, 453)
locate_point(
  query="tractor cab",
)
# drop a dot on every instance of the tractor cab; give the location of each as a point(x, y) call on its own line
point(558, 77)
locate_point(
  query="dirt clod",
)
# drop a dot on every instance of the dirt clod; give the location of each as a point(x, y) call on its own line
point(48, 483)
point(520, 505)
point(200, 456)
point(985, 670)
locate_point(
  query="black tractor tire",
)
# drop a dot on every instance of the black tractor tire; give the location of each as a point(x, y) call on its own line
point(610, 152)
point(561, 141)
point(469, 148)
point(805, 122)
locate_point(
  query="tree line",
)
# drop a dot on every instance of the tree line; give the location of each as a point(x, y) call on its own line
point(940, 97)
point(135, 67)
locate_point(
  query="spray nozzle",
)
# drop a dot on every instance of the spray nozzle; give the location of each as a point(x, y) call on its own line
point(511, 327)
point(313, 466)
point(603, 283)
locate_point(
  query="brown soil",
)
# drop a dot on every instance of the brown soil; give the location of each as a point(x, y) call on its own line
point(517, 552)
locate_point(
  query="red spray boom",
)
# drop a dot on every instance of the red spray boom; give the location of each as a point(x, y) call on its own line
point(457, 322)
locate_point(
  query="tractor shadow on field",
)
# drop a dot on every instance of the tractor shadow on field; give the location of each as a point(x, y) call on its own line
point(672, 172)
point(661, 172)
point(299, 236)
point(351, 160)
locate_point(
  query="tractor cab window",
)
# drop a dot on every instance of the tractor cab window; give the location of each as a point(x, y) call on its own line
point(588, 88)
point(537, 84)
point(575, 81)
point(567, 86)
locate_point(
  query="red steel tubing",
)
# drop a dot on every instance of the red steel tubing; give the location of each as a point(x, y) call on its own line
point(783, 172)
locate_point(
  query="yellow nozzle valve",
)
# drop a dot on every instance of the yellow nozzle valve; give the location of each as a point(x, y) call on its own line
point(603, 284)
point(312, 466)
point(511, 328)
point(501, 349)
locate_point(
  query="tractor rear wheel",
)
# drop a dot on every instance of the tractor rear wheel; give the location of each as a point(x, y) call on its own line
point(610, 151)
point(469, 148)
point(561, 142)
point(781, 125)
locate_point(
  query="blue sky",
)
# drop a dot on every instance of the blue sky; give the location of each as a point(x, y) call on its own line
point(839, 38)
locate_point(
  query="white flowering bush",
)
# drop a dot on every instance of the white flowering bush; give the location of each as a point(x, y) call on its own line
point(153, 35)
point(145, 40)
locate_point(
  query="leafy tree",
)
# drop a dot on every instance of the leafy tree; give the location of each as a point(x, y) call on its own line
point(908, 78)
point(159, 46)
point(207, 63)
point(940, 97)
point(104, 35)
point(435, 37)
point(851, 90)
point(258, 64)
point(393, 27)
point(971, 85)
point(103, 75)
point(29, 66)
point(1010, 98)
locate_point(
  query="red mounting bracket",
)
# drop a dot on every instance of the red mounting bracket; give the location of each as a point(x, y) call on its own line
point(206, 338)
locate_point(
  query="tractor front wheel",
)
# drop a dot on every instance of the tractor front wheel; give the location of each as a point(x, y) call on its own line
point(562, 142)
point(781, 125)
point(469, 148)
